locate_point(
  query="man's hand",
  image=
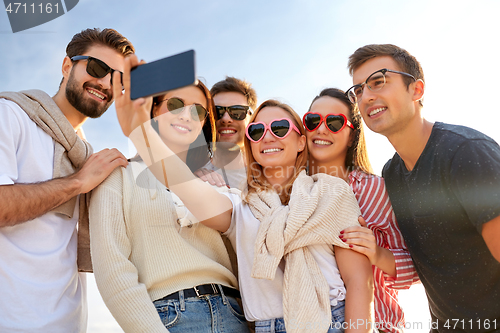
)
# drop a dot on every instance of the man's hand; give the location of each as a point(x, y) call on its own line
point(23, 202)
point(212, 177)
point(97, 168)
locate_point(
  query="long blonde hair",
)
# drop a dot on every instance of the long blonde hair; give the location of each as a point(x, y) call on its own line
point(255, 175)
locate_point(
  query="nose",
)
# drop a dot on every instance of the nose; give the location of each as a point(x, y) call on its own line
point(268, 136)
point(226, 118)
point(185, 114)
point(322, 128)
point(105, 81)
point(367, 94)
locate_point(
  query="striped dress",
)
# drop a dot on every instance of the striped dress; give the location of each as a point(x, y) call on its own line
point(377, 211)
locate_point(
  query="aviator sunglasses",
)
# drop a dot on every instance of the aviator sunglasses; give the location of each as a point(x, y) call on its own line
point(176, 106)
point(98, 68)
point(236, 112)
point(280, 128)
point(334, 122)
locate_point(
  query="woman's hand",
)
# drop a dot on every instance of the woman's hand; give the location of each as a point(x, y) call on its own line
point(131, 114)
point(362, 240)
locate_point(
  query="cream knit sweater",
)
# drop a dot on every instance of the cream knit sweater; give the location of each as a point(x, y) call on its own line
point(320, 207)
point(141, 254)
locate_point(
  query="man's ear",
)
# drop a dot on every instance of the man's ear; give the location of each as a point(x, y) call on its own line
point(418, 91)
point(67, 65)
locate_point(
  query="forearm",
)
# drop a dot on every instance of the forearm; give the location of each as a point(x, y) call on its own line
point(23, 202)
point(169, 169)
point(385, 261)
point(357, 275)
point(359, 300)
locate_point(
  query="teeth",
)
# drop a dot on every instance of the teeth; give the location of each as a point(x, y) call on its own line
point(322, 142)
point(374, 112)
point(227, 132)
point(95, 93)
point(271, 150)
point(181, 128)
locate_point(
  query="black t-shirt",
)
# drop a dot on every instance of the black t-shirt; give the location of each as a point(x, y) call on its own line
point(440, 207)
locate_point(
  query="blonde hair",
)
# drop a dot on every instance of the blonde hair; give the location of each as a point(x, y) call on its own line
point(255, 175)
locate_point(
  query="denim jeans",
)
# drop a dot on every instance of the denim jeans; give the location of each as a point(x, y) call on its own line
point(278, 325)
point(206, 314)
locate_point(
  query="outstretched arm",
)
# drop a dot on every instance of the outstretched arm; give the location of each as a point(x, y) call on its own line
point(24, 202)
point(167, 167)
point(356, 272)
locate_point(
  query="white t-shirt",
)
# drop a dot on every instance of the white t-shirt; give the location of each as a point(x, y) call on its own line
point(263, 299)
point(235, 178)
point(40, 287)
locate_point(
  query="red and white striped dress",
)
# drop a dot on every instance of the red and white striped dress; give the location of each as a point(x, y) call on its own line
point(377, 211)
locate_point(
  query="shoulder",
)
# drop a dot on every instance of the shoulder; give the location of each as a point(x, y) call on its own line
point(458, 134)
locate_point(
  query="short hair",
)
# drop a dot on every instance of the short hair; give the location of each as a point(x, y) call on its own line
point(406, 62)
point(87, 38)
point(256, 179)
point(357, 153)
point(232, 84)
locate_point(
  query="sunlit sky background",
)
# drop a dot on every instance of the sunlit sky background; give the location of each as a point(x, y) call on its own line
point(289, 50)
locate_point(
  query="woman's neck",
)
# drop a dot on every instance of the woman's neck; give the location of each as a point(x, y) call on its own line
point(278, 177)
point(336, 169)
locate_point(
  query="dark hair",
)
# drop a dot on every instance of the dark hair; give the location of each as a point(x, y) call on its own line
point(232, 84)
point(357, 154)
point(200, 151)
point(406, 62)
point(255, 176)
point(85, 39)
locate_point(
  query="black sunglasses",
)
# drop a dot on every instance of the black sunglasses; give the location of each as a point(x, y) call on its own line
point(176, 106)
point(97, 68)
point(236, 112)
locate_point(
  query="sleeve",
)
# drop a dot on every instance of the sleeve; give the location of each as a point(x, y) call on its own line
point(475, 180)
point(116, 276)
point(377, 211)
point(10, 136)
point(231, 231)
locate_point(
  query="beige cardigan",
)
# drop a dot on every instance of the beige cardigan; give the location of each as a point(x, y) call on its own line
point(140, 253)
point(320, 207)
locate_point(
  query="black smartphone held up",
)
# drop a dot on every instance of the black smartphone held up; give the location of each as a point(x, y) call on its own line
point(160, 76)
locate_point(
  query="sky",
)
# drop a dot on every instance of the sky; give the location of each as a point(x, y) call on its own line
point(289, 50)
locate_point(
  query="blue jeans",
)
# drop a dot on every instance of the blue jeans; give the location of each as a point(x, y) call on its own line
point(206, 314)
point(278, 325)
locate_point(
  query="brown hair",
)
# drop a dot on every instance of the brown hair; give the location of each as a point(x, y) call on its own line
point(255, 174)
point(232, 84)
point(357, 154)
point(85, 39)
point(200, 151)
point(406, 62)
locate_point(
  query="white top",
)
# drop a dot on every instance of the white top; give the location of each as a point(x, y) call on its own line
point(263, 299)
point(235, 178)
point(41, 289)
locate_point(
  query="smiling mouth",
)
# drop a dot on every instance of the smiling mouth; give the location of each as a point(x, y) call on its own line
point(181, 128)
point(271, 150)
point(374, 112)
point(322, 142)
point(97, 94)
point(227, 132)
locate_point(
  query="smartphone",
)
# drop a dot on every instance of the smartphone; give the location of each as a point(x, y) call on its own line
point(157, 77)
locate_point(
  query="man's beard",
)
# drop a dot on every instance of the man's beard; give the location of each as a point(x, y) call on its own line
point(84, 104)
